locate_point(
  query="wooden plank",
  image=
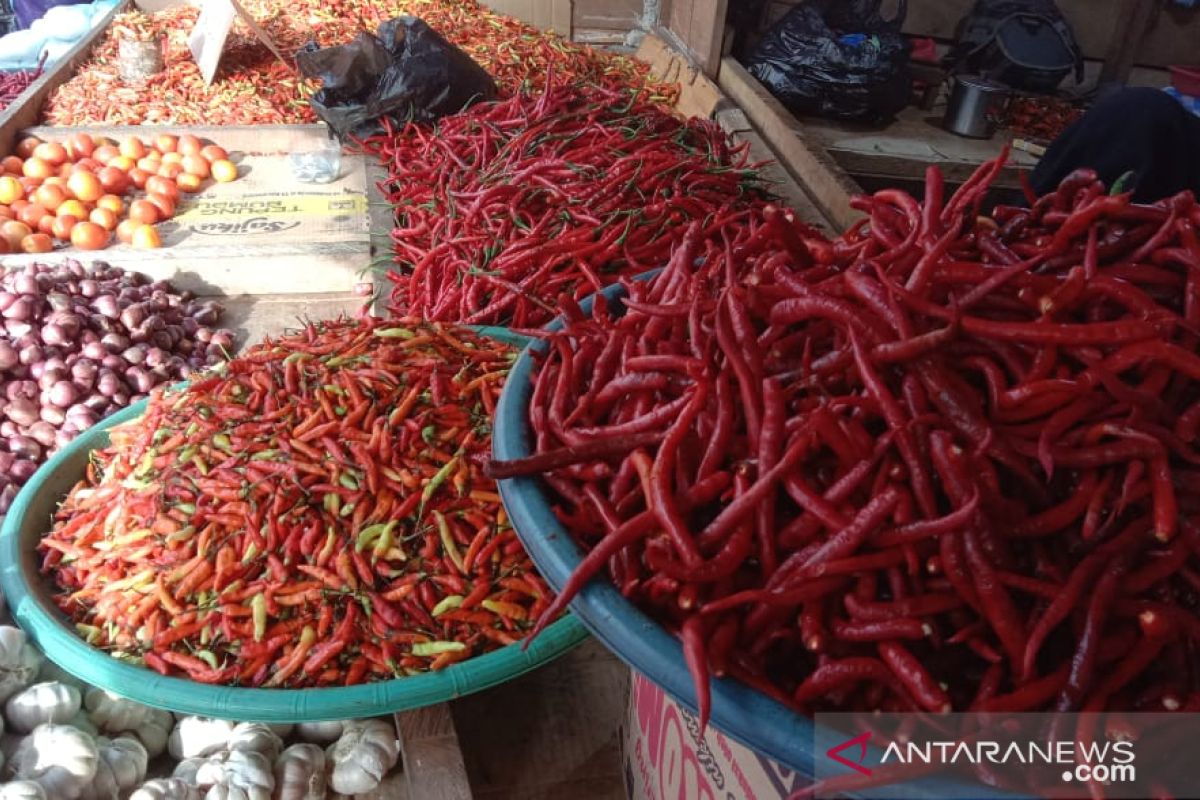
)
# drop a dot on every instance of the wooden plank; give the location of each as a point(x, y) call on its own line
point(606, 15)
point(904, 148)
point(28, 109)
point(734, 122)
point(265, 233)
point(814, 169)
point(552, 734)
point(552, 15)
point(252, 317)
point(698, 96)
point(433, 761)
point(698, 27)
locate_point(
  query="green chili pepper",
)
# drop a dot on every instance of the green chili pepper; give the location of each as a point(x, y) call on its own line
point(258, 612)
point(446, 603)
point(437, 648)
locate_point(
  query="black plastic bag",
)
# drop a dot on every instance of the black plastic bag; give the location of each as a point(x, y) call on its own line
point(406, 71)
point(1025, 44)
point(837, 58)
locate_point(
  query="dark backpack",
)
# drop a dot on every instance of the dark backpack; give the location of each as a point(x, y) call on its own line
point(1025, 44)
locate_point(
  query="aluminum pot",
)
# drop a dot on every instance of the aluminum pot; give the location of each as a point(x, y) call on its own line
point(975, 106)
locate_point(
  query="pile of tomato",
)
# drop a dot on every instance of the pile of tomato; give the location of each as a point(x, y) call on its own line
point(76, 191)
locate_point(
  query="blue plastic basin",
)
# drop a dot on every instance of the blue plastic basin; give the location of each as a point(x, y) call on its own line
point(30, 599)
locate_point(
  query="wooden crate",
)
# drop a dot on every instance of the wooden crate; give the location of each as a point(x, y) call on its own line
point(263, 234)
point(27, 109)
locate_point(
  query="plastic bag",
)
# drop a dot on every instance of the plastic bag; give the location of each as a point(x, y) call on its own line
point(837, 58)
point(406, 71)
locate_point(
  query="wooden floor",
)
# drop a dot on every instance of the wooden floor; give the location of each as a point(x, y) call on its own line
point(905, 147)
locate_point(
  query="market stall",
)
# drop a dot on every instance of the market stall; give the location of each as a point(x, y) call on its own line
point(459, 410)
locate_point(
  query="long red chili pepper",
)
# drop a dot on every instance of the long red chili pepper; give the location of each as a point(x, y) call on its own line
point(970, 445)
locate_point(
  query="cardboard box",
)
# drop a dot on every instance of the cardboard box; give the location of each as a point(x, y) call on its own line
point(666, 758)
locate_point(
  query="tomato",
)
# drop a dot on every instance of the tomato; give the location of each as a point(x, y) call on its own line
point(149, 163)
point(37, 243)
point(189, 183)
point(89, 164)
point(125, 230)
point(189, 145)
point(132, 148)
point(145, 237)
point(172, 158)
point(123, 163)
point(14, 231)
point(112, 203)
point(139, 177)
point(171, 171)
point(105, 153)
point(196, 165)
point(143, 211)
point(86, 186)
point(35, 167)
point(104, 217)
point(89, 236)
point(165, 186)
point(224, 171)
point(11, 190)
point(81, 145)
point(51, 152)
point(164, 204)
point(6, 213)
point(46, 224)
point(73, 208)
point(214, 152)
point(12, 164)
point(32, 214)
point(113, 180)
point(166, 143)
point(51, 196)
point(26, 146)
point(62, 227)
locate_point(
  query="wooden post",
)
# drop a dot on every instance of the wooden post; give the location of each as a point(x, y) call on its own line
point(433, 761)
point(1133, 21)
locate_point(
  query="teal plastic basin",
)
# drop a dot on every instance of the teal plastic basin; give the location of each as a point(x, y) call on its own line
point(29, 597)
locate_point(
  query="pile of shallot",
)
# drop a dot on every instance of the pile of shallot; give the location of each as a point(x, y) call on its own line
point(80, 342)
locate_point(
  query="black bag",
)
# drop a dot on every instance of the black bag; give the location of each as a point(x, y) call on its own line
point(407, 71)
point(1024, 44)
point(837, 58)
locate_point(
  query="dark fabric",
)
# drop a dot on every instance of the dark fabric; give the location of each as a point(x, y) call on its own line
point(1025, 44)
point(1143, 131)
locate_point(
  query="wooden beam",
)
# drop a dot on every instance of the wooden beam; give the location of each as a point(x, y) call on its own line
point(814, 169)
point(433, 761)
point(1133, 22)
point(27, 110)
point(698, 96)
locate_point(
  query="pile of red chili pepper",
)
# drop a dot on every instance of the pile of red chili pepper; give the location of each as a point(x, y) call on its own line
point(253, 87)
point(508, 204)
point(943, 462)
point(1041, 118)
point(312, 515)
point(12, 84)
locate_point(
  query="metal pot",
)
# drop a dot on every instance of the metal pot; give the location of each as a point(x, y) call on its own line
point(976, 104)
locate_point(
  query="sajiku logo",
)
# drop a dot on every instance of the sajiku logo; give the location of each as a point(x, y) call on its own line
point(861, 741)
